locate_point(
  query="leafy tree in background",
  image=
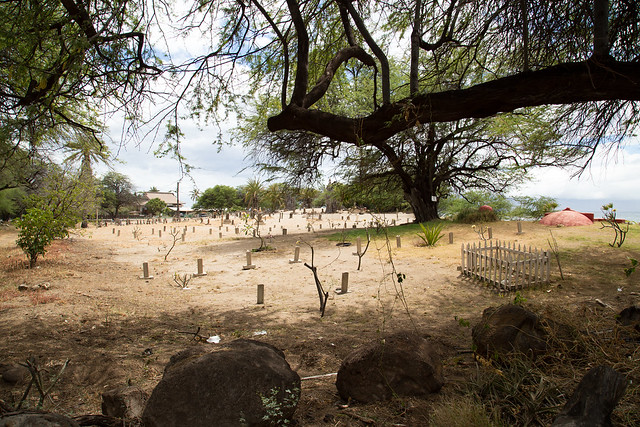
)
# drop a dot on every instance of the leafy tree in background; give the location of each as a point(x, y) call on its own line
point(307, 195)
point(519, 207)
point(87, 149)
point(382, 195)
point(533, 207)
point(11, 203)
point(117, 193)
point(155, 206)
point(472, 200)
point(219, 197)
point(51, 211)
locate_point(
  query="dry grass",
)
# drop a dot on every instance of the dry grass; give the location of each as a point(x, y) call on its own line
point(521, 391)
point(42, 297)
point(460, 412)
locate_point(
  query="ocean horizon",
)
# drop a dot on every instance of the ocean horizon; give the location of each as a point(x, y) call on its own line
point(625, 209)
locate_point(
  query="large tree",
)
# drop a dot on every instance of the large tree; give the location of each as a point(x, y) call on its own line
point(219, 197)
point(464, 60)
point(117, 192)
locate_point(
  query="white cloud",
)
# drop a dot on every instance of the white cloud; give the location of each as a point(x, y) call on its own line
point(609, 177)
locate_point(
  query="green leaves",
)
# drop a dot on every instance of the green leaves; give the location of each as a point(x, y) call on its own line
point(155, 206)
point(38, 228)
point(629, 271)
point(431, 233)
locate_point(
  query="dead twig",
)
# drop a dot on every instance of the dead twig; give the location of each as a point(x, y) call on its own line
point(360, 255)
point(36, 379)
point(556, 252)
point(196, 335)
point(174, 233)
point(324, 296)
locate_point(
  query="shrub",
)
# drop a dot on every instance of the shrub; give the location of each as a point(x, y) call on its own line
point(38, 228)
point(473, 216)
point(431, 233)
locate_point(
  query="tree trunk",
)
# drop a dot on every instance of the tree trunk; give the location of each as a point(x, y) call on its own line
point(424, 208)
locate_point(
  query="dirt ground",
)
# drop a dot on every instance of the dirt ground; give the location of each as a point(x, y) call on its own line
point(117, 328)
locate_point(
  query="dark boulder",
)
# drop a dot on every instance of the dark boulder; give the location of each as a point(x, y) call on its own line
point(242, 383)
point(404, 364)
point(509, 328)
point(124, 402)
point(36, 419)
point(630, 316)
point(15, 374)
point(594, 399)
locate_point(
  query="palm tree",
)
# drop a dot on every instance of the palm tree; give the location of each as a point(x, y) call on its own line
point(307, 196)
point(88, 149)
point(195, 194)
point(274, 196)
point(253, 193)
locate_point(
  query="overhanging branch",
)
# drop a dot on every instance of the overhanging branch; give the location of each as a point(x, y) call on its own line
point(568, 83)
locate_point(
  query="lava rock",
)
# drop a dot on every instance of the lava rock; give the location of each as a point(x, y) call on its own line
point(245, 382)
point(401, 364)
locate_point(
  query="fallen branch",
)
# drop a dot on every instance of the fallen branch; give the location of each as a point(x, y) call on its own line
point(196, 335)
point(313, 377)
point(36, 379)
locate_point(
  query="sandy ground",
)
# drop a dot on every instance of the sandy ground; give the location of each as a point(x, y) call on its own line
point(118, 328)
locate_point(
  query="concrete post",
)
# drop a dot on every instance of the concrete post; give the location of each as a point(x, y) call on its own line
point(260, 294)
point(145, 271)
point(296, 256)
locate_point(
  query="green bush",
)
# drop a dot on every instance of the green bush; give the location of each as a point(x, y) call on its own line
point(38, 228)
point(475, 216)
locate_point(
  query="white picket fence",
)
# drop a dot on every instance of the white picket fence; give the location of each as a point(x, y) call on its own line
point(504, 266)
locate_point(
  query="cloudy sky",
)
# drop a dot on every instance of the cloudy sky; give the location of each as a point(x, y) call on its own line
point(612, 176)
point(615, 177)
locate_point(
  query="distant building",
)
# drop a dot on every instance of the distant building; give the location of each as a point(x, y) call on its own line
point(169, 198)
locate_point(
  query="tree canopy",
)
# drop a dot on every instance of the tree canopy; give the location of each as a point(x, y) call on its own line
point(219, 197)
point(117, 192)
point(155, 206)
point(487, 57)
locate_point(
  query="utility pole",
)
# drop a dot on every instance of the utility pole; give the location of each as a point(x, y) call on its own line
point(178, 200)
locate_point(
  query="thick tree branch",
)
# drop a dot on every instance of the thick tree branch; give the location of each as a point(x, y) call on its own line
point(561, 84)
point(600, 29)
point(342, 56)
point(377, 51)
point(302, 69)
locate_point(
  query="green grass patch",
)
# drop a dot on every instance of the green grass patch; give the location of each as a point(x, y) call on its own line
point(351, 234)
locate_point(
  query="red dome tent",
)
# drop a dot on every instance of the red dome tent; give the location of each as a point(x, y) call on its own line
point(567, 217)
